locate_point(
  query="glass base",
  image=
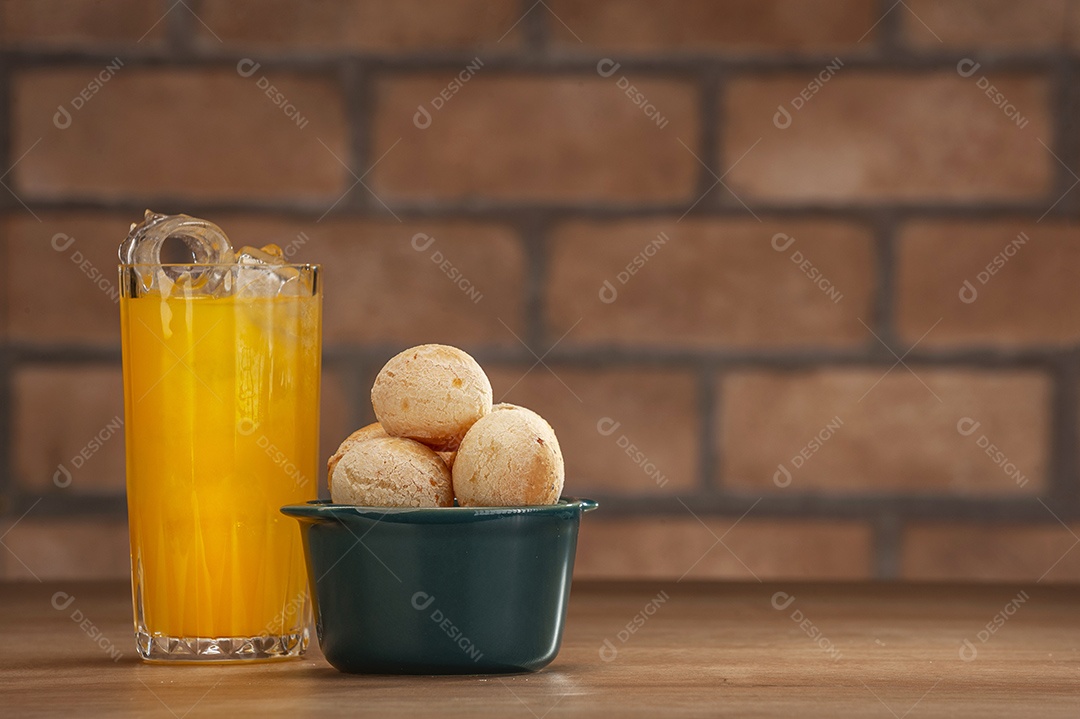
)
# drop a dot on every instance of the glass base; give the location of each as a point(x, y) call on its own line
point(159, 648)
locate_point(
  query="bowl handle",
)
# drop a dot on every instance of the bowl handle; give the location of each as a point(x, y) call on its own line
point(305, 514)
point(588, 505)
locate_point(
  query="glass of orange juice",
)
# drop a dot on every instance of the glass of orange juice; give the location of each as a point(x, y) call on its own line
point(221, 392)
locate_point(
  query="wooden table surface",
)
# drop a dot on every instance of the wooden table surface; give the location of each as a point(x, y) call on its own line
point(836, 650)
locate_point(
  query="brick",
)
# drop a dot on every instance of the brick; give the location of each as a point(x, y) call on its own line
point(711, 283)
point(988, 552)
point(59, 412)
point(671, 547)
point(379, 289)
point(394, 26)
point(68, 548)
point(71, 24)
point(1024, 277)
point(988, 24)
point(175, 133)
point(699, 25)
point(561, 138)
point(896, 437)
point(653, 450)
point(888, 137)
point(78, 304)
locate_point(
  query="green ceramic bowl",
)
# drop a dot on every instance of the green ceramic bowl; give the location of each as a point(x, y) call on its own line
point(451, 590)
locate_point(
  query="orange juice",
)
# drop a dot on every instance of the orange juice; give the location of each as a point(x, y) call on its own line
point(222, 397)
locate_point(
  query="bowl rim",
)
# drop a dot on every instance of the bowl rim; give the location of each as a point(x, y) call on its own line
point(325, 509)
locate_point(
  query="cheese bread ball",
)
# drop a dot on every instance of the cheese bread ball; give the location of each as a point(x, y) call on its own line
point(363, 434)
point(432, 394)
point(509, 458)
point(391, 472)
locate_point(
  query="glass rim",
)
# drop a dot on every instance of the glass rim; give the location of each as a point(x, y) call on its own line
point(290, 265)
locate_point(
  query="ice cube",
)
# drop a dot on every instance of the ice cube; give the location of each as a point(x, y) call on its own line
point(261, 272)
point(296, 286)
point(265, 255)
point(274, 251)
point(204, 242)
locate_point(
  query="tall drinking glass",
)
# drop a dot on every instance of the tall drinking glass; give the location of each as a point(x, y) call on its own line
point(221, 395)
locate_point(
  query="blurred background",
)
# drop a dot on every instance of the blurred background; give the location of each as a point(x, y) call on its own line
point(793, 280)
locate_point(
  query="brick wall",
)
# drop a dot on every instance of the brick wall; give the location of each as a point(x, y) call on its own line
point(745, 291)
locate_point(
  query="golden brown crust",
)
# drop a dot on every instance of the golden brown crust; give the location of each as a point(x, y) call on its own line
point(371, 431)
point(509, 458)
point(391, 472)
point(432, 394)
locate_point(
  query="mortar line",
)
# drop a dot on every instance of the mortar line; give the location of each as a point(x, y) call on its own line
point(1066, 106)
point(1064, 469)
point(750, 64)
point(365, 369)
point(535, 28)
point(510, 212)
point(8, 488)
point(887, 544)
point(353, 374)
point(180, 32)
point(712, 115)
point(980, 359)
point(359, 388)
point(999, 509)
point(359, 97)
point(348, 369)
point(1064, 465)
point(888, 33)
point(7, 133)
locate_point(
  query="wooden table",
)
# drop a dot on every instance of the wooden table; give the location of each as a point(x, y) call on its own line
point(836, 650)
